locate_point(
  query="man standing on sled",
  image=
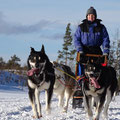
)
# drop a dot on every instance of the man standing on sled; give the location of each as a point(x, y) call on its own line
point(90, 36)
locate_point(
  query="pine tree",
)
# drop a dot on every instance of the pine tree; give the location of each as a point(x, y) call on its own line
point(13, 63)
point(118, 57)
point(67, 54)
point(2, 63)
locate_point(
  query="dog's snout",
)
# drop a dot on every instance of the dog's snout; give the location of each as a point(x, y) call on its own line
point(91, 75)
point(37, 65)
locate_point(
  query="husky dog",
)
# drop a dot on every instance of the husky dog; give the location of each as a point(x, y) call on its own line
point(100, 85)
point(41, 76)
point(64, 84)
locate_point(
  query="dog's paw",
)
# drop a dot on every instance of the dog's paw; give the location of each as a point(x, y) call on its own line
point(105, 116)
point(48, 111)
point(65, 110)
point(96, 119)
point(37, 117)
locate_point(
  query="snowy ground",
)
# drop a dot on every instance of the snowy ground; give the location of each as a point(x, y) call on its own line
point(15, 105)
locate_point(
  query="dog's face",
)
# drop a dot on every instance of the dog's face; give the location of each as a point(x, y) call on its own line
point(37, 59)
point(93, 72)
point(58, 69)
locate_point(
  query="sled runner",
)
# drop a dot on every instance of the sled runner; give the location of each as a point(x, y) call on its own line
point(77, 99)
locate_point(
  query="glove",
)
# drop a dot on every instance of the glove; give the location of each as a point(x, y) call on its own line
point(82, 56)
point(105, 54)
point(105, 57)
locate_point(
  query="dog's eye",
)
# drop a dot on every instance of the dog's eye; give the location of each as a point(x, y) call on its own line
point(93, 68)
point(39, 58)
point(90, 68)
point(34, 58)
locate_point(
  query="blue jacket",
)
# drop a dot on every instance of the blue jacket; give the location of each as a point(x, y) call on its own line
point(91, 34)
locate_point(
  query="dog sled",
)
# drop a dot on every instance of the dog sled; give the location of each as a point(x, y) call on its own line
point(84, 60)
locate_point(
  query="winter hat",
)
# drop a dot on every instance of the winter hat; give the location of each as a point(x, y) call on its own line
point(91, 10)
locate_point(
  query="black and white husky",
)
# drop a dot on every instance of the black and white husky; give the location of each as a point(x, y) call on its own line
point(64, 84)
point(41, 76)
point(100, 86)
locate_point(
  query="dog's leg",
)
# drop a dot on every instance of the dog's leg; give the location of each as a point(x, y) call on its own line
point(60, 102)
point(99, 107)
point(32, 100)
point(67, 97)
point(108, 100)
point(95, 103)
point(48, 94)
point(46, 100)
point(88, 102)
point(38, 103)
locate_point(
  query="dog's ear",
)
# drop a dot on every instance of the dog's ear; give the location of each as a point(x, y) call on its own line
point(32, 49)
point(42, 49)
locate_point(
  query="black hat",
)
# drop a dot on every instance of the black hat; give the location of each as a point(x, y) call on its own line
point(91, 10)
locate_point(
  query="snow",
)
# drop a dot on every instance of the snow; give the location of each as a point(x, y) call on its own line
point(15, 105)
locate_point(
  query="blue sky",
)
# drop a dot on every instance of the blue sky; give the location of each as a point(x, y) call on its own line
point(31, 23)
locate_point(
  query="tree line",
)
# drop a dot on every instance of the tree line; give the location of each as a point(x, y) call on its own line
point(16, 72)
point(12, 63)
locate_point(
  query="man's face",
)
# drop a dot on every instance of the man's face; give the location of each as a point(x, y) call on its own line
point(91, 17)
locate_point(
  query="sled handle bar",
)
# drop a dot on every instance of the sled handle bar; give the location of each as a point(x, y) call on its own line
point(93, 55)
point(88, 55)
